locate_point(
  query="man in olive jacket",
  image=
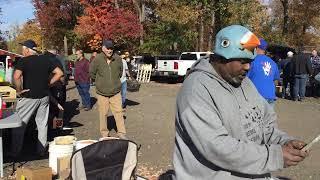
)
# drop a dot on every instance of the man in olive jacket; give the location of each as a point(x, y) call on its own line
point(106, 70)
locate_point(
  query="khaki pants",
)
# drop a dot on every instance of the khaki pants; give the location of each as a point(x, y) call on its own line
point(116, 108)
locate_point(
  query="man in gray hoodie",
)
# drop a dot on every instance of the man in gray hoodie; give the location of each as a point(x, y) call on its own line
point(225, 130)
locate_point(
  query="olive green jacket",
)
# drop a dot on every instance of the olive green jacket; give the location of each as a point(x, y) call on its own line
point(106, 76)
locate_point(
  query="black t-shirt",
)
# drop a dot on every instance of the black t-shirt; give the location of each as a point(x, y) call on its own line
point(36, 70)
point(56, 62)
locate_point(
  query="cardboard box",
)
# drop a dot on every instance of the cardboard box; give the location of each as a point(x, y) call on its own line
point(41, 173)
point(63, 167)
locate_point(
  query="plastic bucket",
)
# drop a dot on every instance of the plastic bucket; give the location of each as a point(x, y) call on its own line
point(83, 143)
point(57, 151)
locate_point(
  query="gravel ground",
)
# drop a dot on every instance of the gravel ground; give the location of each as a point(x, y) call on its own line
point(150, 123)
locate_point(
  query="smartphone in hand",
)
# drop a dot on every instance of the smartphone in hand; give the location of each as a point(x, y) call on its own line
point(309, 145)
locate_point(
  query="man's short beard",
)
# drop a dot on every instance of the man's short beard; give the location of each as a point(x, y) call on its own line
point(235, 83)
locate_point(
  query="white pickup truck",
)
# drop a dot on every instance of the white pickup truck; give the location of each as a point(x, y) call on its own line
point(177, 67)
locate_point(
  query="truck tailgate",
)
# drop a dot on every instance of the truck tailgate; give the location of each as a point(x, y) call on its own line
point(166, 65)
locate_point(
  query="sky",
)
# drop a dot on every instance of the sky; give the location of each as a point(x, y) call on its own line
point(15, 12)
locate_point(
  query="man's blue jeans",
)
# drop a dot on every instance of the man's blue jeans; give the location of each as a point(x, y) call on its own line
point(299, 88)
point(83, 89)
point(124, 93)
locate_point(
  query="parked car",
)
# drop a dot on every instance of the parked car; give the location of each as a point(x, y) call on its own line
point(171, 66)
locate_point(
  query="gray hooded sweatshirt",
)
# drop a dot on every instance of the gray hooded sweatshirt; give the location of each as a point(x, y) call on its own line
point(223, 132)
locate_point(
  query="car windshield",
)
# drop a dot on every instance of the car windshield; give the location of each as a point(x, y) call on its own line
point(188, 57)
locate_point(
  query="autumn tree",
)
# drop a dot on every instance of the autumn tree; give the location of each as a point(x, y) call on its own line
point(195, 22)
point(17, 34)
point(305, 14)
point(57, 19)
point(296, 23)
point(109, 19)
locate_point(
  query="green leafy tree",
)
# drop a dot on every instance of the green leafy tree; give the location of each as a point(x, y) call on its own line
point(168, 38)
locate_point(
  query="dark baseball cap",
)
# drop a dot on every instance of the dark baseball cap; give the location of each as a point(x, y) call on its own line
point(29, 44)
point(107, 43)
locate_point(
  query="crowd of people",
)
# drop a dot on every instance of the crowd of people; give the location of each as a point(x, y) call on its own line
point(300, 75)
point(225, 121)
point(40, 82)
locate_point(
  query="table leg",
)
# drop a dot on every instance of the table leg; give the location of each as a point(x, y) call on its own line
point(1, 155)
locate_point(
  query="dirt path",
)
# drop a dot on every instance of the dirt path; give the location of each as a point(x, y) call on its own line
point(150, 122)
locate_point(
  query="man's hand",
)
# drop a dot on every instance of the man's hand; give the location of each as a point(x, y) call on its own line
point(20, 93)
point(296, 144)
point(292, 153)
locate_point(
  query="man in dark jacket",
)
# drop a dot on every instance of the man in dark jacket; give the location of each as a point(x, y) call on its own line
point(301, 69)
point(58, 90)
point(106, 70)
point(285, 66)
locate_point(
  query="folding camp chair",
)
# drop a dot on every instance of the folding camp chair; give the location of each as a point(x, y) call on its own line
point(113, 159)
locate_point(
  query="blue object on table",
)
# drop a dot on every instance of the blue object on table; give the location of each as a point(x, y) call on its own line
point(12, 121)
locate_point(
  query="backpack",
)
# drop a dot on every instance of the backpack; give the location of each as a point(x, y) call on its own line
point(113, 159)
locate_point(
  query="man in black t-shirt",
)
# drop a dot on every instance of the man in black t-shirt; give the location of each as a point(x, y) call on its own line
point(35, 70)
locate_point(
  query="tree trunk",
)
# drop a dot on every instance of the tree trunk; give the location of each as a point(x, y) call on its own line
point(285, 5)
point(210, 40)
point(201, 34)
point(140, 8)
point(217, 18)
